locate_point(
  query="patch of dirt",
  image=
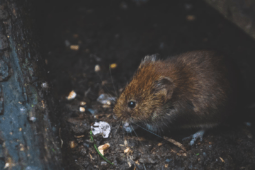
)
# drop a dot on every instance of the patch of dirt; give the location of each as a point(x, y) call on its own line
point(78, 35)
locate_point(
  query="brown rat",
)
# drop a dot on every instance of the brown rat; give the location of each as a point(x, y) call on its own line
point(196, 89)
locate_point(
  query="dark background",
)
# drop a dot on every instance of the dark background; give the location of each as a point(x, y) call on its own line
point(124, 35)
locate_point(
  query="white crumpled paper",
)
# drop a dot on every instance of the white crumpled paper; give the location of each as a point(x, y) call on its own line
point(102, 128)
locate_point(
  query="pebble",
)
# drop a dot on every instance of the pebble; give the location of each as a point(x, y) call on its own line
point(103, 163)
point(168, 160)
point(97, 68)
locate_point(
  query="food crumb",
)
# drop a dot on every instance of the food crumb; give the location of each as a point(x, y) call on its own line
point(74, 47)
point(102, 148)
point(222, 160)
point(97, 68)
point(71, 95)
point(127, 150)
point(82, 103)
point(113, 65)
point(72, 144)
point(82, 109)
point(190, 17)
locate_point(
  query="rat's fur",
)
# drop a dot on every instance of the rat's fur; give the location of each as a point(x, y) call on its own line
point(194, 89)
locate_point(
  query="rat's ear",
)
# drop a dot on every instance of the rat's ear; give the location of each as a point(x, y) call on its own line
point(164, 86)
point(148, 59)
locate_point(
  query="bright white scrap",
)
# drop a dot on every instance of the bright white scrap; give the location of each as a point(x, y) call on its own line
point(101, 128)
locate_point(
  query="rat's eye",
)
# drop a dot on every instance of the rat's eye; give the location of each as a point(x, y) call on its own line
point(131, 104)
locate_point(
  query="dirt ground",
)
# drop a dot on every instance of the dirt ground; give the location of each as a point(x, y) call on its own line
point(123, 32)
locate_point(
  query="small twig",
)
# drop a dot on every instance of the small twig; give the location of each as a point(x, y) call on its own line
point(175, 143)
point(166, 138)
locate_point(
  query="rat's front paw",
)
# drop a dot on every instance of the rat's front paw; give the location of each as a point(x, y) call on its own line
point(195, 136)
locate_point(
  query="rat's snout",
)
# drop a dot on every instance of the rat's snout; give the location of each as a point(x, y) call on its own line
point(127, 127)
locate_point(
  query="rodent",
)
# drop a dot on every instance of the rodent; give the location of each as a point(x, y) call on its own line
point(197, 89)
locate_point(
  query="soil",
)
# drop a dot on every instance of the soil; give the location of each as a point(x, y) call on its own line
point(123, 32)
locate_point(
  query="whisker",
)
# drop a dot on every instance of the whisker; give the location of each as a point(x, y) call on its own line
point(113, 83)
point(102, 81)
point(117, 128)
point(176, 143)
point(148, 130)
point(119, 118)
point(139, 141)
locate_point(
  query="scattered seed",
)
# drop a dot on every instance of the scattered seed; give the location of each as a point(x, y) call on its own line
point(222, 160)
point(102, 148)
point(82, 109)
point(82, 103)
point(97, 68)
point(125, 142)
point(71, 95)
point(106, 106)
point(91, 157)
point(129, 164)
point(72, 144)
point(81, 136)
point(43, 104)
point(190, 17)
point(22, 147)
point(160, 144)
point(127, 150)
point(113, 65)
point(74, 47)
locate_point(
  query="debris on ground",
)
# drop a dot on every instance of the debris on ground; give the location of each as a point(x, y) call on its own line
point(102, 128)
point(106, 99)
point(71, 95)
point(102, 148)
